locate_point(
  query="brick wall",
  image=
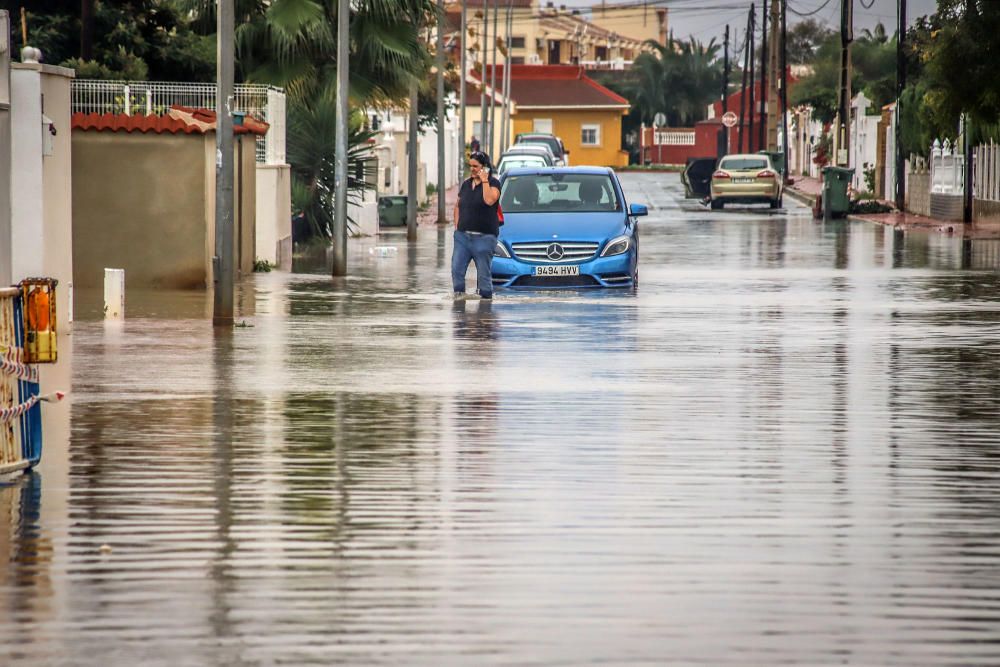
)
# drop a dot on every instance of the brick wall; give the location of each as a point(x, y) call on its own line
point(918, 193)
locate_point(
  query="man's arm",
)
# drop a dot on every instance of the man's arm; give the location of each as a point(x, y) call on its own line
point(456, 215)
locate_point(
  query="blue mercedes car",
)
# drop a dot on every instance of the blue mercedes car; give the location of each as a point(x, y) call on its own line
point(566, 227)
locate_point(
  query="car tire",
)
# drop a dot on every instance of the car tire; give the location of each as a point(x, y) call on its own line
point(715, 204)
point(776, 203)
point(635, 279)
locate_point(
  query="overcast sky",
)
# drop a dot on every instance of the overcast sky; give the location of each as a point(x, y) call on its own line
point(707, 18)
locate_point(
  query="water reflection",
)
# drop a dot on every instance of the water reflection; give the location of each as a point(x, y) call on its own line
point(780, 449)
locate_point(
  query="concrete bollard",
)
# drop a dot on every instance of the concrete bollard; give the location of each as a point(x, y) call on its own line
point(114, 294)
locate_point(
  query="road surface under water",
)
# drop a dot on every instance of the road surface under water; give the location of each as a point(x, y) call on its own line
point(783, 448)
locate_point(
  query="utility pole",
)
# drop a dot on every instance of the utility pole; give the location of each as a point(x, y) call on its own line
point(844, 126)
point(725, 92)
point(493, 79)
point(413, 152)
point(442, 218)
point(764, 64)
point(774, 61)
point(743, 86)
point(968, 192)
point(462, 93)
point(900, 87)
point(753, 82)
point(784, 84)
point(222, 313)
point(483, 60)
point(6, 270)
point(505, 112)
point(340, 145)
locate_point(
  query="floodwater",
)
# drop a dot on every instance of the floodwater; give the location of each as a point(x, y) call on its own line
point(784, 448)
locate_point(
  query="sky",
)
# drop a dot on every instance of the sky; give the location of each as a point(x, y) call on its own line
point(705, 19)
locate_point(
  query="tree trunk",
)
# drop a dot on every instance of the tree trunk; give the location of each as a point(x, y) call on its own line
point(86, 29)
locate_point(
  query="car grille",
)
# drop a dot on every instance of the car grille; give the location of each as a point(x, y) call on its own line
point(556, 281)
point(537, 251)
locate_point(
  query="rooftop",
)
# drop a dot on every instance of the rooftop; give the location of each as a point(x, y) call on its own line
point(179, 120)
point(557, 86)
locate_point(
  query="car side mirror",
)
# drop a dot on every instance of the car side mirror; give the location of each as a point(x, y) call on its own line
point(637, 210)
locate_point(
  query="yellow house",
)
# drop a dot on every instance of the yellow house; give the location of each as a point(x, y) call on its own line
point(564, 101)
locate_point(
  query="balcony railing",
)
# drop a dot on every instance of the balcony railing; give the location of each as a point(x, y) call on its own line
point(266, 103)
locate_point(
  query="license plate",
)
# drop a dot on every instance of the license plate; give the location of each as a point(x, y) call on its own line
point(743, 180)
point(557, 270)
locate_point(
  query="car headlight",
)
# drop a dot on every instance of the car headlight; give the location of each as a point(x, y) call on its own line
point(617, 246)
point(500, 251)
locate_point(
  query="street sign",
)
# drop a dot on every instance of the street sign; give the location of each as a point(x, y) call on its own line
point(660, 119)
point(729, 119)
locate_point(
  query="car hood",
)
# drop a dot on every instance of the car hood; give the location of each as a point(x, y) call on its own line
point(567, 226)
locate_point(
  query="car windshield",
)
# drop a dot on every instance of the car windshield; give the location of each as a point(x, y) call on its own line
point(744, 163)
point(551, 142)
point(559, 193)
point(509, 163)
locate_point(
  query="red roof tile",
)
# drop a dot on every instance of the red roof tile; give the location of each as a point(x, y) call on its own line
point(560, 86)
point(181, 120)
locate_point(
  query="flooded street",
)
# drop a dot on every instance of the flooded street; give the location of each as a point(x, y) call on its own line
point(783, 448)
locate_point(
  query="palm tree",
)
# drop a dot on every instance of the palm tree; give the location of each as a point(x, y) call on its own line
point(293, 44)
point(678, 79)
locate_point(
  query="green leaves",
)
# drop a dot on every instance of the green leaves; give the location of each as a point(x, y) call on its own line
point(679, 80)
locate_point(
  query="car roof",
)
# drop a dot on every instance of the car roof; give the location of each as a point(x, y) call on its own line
point(596, 171)
point(522, 156)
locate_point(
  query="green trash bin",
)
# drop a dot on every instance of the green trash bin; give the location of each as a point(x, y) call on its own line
point(392, 211)
point(836, 180)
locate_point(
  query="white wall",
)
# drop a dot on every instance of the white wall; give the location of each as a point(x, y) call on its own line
point(274, 206)
point(864, 140)
point(41, 180)
point(390, 149)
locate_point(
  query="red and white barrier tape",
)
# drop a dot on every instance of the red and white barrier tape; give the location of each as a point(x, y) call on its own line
point(11, 413)
point(10, 364)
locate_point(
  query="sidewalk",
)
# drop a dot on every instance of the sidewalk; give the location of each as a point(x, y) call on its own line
point(428, 216)
point(807, 190)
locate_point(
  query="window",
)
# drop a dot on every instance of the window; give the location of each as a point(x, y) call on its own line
point(542, 125)
point(559, 193)
point(591, 135)
point(517, 42)
point(517, 60)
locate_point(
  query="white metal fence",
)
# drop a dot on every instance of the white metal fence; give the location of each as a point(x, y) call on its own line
point(266, 103)
point(986, 180)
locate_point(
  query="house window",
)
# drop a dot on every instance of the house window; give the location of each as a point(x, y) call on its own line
point(542, 125)
point(517, 60)
point(591, 135)
point(517, 42)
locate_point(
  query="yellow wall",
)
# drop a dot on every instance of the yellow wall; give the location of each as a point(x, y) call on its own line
point(635, 22)
point(145, 203)
point(568, 125)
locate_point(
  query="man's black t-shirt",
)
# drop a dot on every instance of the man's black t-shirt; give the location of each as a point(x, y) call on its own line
point(473, 213)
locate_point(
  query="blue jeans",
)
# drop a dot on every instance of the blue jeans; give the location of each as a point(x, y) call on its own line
point(477, 248)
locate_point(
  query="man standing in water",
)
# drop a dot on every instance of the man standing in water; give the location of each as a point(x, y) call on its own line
point(477, 226)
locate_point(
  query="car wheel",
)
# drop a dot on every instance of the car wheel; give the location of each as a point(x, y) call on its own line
point(715, 204)
point(775, 203)
point(635, 278)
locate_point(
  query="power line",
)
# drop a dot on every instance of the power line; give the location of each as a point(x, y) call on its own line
point(812, 13)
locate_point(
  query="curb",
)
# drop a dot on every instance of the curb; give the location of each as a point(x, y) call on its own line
point(801, 197)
